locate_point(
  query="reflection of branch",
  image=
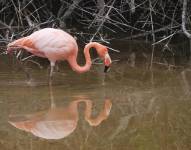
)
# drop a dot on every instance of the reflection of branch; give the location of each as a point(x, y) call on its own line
point(123, 124)
point(184, 19)
point(185, 82)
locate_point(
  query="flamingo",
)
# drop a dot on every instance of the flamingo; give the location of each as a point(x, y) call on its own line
point(56, 45)
point(59, 122)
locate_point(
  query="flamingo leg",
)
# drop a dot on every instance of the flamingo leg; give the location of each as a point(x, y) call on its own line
point(52, 64)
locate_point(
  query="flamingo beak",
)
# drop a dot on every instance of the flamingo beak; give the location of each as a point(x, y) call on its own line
point(107, 62)
point(106, 69)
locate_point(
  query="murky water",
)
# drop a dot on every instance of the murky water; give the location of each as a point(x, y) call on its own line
point(129, 108)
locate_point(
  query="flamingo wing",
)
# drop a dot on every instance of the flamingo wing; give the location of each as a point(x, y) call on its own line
point(55, 44)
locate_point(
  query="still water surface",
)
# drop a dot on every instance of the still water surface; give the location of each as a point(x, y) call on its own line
point(128, 109)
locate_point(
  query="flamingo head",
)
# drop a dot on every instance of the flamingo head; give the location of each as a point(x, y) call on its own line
point(107, 62)
point(104, 55)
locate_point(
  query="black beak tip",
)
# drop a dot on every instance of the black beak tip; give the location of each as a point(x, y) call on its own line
point(106, 69)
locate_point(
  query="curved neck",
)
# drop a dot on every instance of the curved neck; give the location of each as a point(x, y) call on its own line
point(73, 62)
point(103, 115)
point(93, 121)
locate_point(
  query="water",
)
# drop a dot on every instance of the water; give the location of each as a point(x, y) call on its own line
point(137, 109)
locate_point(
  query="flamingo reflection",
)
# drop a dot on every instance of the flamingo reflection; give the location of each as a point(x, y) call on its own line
point(59, 122)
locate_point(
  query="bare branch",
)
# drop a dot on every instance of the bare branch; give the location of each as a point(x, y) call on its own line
point(184, 19)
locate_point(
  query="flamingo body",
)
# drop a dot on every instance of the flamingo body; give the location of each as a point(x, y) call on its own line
point(54, 44)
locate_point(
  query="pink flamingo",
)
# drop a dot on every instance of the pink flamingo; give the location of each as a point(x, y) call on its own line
point(59, 122)
point(57, 45)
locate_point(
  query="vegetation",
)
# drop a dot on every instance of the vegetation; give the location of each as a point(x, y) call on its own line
point(158, 21)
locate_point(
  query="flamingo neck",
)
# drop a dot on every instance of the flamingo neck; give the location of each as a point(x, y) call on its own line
point(81, 69)
point(93, 121)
